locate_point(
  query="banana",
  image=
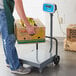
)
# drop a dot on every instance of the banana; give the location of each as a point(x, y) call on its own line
point(21, 22)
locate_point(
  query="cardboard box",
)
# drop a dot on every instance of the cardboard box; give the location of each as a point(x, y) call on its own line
point(23, 37)
point(69, 46)
point(71, 32)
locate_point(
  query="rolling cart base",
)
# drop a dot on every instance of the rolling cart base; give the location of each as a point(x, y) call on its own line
point(41, 65)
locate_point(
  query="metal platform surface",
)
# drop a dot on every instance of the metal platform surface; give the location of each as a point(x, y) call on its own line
point(37, 58)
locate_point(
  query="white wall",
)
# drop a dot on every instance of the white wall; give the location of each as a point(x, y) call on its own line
point(66, 8)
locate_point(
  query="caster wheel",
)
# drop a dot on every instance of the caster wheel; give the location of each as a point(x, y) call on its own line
point(56, 60)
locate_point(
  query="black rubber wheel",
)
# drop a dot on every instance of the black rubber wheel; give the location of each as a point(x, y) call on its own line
point(56, 60)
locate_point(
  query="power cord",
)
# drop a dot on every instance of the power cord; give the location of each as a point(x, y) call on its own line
point(60, 23)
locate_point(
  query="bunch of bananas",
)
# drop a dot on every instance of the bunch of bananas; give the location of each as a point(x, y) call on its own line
point(30, 20)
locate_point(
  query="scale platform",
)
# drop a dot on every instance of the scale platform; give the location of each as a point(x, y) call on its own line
point(36, 58)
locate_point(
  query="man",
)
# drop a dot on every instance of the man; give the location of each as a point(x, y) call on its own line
point(7, 30)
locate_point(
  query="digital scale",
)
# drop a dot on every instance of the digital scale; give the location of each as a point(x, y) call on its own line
point(50, 8)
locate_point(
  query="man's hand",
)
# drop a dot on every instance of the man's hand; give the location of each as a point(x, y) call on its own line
point(30, 29)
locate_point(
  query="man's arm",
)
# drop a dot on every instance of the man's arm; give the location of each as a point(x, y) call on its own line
point(20, 11)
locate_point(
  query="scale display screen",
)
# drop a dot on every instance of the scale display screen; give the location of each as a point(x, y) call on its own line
point(49, 8)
